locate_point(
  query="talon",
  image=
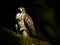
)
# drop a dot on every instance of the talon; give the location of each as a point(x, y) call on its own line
point(22, 29)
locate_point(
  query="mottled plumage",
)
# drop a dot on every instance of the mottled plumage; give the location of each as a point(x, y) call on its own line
point(29, 22)
point(24, 19)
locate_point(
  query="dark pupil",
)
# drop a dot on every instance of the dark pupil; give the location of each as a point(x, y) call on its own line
point(22, 9)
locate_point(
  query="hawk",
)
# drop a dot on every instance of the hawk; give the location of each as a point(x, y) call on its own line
point(25, 23)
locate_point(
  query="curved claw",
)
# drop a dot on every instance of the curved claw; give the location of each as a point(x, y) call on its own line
point(22, 29)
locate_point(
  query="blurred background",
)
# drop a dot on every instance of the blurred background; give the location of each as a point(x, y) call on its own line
point(41, 11)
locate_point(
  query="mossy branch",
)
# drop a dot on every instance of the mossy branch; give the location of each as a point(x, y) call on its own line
point(22, 40)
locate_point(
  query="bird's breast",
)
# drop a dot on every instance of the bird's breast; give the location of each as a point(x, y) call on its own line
point(20, 16)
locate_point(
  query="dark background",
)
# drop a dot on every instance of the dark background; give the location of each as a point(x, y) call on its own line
point(41, 11)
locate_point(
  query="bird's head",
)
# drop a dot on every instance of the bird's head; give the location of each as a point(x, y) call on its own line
point(22, 9)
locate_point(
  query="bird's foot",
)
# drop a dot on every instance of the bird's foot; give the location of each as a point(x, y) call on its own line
point(22, 29)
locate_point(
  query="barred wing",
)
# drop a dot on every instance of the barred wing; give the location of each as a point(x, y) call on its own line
point(29, 22)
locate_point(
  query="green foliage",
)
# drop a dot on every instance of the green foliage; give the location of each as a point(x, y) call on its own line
point(12, 38)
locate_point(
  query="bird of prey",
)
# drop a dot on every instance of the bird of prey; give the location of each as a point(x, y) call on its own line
point(25, 23)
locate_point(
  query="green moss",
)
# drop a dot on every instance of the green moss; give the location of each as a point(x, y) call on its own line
point(18, 39)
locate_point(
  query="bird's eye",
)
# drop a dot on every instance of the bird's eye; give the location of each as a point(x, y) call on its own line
point(22, 9)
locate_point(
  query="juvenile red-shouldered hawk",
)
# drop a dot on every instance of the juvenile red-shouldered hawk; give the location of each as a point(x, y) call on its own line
point(24, 19)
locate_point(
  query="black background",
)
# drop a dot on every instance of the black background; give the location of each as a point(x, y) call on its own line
point(9, 9)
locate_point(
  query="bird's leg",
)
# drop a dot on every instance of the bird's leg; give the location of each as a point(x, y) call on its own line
point(25, 33)
point(22, 25)
point(16, 26)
